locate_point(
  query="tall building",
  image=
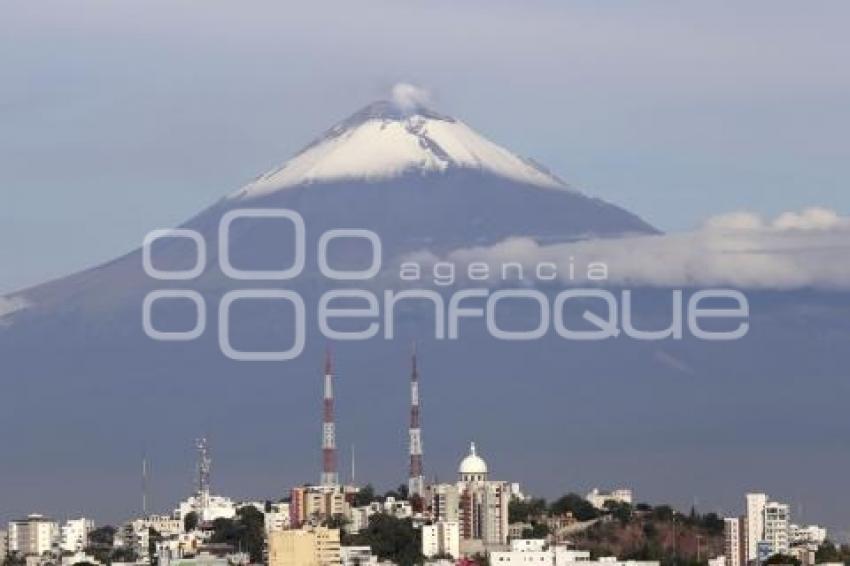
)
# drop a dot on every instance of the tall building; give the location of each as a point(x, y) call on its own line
point(32, 536)
point(440, 539)
point(304, 547)
point(755, 503)
point(416, 482)
point(777, 522)
point(329, 474)
point(4, 544)
point(75, 535)
point(732, 541)
point(483, 505)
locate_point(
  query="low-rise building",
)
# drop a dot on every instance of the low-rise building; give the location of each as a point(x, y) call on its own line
point(317, 546)
point(357, 556)
point(809, 534)
point(599, 498)
point(526, 552)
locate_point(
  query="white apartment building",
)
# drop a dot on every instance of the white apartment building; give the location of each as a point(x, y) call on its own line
point(599, 498)
point(206, 507)
point(32, 536)
point(777, 521)
point(755, 503)
point(768, 527)
point(732, 541)
point(809, 534)
point(441, 539)
point(535, 552)
point(277, 517)
point(75, 535)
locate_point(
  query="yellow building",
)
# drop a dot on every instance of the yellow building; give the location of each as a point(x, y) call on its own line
point(304, 547)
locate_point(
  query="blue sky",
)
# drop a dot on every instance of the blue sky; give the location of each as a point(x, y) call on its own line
point(118, 117)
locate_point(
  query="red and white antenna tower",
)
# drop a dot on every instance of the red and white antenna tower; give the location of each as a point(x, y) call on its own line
point(329, 473)
point(416, 482)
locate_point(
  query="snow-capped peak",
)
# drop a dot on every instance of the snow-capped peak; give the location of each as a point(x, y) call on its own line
point(386, 140)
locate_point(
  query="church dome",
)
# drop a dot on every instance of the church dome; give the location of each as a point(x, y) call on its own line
point(473, 467)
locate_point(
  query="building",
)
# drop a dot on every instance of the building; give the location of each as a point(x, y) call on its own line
point(4, 546)
point(599, 498)
point(441, 539)
point(277, 517)
point(32, 536)
point(357, 556)
point(305, 547)
point(755, 503)
point(444, 501)
point(483, 503)
point(526, 552)
point(810, 534)
point(777, 522)
point(312, 504)
point(732, 538)
point(74, 535)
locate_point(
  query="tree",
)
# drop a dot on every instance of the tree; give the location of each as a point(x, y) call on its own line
point(154, 538)
point(783, 559)
point(391, 539)
point(619, 510)
point(573, 503)
point(102, 535)
point(123, 554)
point(364, 496)
point(537, 530)
point(522, 511)
point(190, 522)
point(245, 532)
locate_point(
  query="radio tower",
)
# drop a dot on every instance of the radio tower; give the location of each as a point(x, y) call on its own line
point(416, 483)
point(329, 474)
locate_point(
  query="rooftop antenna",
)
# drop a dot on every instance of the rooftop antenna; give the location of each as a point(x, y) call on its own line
point(144, 485)
point(204, 467)
point(353, 476)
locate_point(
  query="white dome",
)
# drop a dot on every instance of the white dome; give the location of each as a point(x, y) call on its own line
point(473, 464)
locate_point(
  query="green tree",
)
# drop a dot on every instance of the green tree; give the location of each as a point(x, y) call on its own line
point(391, 539)
point(190, 522)
point(364, 496)
point(523, 511)
point(123, 554)
point(246, 532)
point(783, 559)
point(154, 538)
point(102, 535)
point(573, 503)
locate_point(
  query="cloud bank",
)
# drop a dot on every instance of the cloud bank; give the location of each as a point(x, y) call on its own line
point(805, 249)
point(11, 305)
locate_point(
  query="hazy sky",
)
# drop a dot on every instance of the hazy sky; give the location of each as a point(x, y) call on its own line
point(118, 117)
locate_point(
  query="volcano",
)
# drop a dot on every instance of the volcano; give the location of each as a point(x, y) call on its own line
point(82, 382)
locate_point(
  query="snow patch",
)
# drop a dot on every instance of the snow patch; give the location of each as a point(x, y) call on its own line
point(379, 144)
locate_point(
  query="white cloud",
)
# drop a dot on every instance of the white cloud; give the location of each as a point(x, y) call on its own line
point(409, 97)
point(810, 248)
